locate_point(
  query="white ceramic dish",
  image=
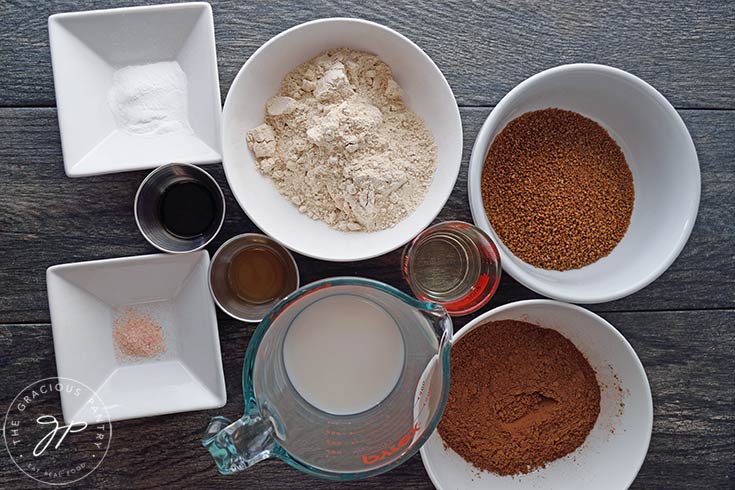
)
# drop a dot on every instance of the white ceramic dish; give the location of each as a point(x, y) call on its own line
point(87, 48)
point(84, 299)
point(425, 91)
point(661, 156)
point(614, 451)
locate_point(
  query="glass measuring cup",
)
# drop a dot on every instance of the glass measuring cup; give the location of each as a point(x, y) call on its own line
point(280, 422)
point(453, 263)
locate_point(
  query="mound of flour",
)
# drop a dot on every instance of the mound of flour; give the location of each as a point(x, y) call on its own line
point(340, 144)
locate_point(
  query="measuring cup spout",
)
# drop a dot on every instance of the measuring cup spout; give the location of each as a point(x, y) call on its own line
point(440, 321)
point(236, 446)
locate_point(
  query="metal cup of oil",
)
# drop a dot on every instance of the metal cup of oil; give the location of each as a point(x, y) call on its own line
point(454, 264)
point(249, 274)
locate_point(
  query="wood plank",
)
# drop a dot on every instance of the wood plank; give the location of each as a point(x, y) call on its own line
point(49, 219)
point(685, 48)
point(688, 356)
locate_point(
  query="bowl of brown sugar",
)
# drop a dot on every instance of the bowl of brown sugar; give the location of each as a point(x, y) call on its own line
point(543, 394)
point(588, 180)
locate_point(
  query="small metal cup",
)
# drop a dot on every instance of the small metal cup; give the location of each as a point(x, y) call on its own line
point(147, 202)
point(223, 295)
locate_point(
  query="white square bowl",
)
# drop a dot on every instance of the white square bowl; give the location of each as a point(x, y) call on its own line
point(86, 50)
point(84, 299)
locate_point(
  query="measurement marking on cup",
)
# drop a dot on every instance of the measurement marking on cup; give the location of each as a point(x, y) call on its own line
point(402, 442)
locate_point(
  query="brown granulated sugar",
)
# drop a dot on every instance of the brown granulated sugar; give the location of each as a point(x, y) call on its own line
point(520, 396)
point(557, 189)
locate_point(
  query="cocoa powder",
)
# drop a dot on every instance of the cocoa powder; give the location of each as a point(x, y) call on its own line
point(557, 189)
point(521, 396)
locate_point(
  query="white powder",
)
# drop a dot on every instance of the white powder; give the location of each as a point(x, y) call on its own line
point(150, 99)
point(340, 144)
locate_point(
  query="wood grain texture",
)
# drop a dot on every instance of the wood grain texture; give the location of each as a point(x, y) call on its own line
point(48, 219)
point(689, 357)
point(685, 48)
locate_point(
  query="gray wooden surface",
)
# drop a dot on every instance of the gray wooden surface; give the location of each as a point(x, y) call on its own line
point(682, 326)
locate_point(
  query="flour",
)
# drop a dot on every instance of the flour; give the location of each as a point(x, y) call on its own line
point(340, 144)
point(150, 99)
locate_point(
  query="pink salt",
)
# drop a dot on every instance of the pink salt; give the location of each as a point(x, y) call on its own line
point(137, 334)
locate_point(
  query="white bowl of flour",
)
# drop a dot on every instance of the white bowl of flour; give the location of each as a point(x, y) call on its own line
point(424, 91)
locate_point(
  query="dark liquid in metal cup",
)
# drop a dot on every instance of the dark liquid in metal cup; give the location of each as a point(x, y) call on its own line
point(187, 209)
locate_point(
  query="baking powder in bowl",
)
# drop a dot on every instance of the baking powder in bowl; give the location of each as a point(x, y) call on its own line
point(150, 99)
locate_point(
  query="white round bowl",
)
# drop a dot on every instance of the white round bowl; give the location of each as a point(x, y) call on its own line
point(426, 92)
point(661, 156)
point(614, 450)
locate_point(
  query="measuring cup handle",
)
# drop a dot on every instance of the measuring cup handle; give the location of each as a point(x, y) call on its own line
point(236, 446)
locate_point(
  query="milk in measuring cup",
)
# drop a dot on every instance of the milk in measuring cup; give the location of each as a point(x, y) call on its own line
point(344, 354)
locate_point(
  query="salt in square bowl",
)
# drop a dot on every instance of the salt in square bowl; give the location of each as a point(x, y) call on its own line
point(85, 301)
point(91, 53)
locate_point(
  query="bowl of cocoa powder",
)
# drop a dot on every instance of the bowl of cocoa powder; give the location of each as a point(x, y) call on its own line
point(543, 394)
point(588, 180)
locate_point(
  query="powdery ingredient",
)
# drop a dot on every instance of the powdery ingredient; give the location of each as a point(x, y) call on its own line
point(557, 189)
point(340, 144)
point(521, 396)
point(150, 99)
point(137, 334)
